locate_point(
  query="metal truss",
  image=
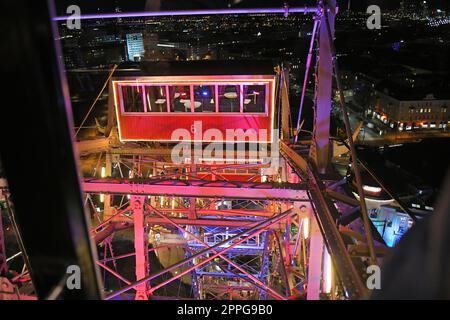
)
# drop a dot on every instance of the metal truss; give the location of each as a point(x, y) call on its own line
point(206, 226)
point(191, 188)
point(340, 221)
point(190, 231)
point(178, 200)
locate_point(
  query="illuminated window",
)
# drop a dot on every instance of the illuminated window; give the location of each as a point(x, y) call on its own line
point(155, 98)
point(204, 96)
point(254, 98)
point(229, 98)
point(180, 98)
point(132, 98)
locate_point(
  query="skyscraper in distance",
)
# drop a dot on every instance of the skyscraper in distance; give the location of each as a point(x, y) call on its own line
point(135, 46)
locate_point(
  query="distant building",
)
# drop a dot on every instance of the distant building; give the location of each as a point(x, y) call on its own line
point(135, 46)
point(409, 108)
point(151, 40)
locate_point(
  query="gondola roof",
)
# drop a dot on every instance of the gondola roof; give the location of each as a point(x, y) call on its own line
point(197, 67)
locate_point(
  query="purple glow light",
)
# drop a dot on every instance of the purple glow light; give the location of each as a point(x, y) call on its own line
point(189, 13)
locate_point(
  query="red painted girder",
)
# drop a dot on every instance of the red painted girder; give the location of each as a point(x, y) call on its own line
point(199, 188)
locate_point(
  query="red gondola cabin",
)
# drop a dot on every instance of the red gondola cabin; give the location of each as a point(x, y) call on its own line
point(154, 100)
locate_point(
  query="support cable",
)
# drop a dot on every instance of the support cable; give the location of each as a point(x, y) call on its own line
point(96, 99)
point(305, 80)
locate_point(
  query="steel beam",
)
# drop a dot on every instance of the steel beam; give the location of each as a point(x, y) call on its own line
point(198, 188)
point(110, 229)
point(223, 274)
point(314, 262)
point(326, 214)
point(107, 210)
point(264, 272)
point(205, 222)
point(224, 213)
point(140, 245)
point(342, 197)
point(329, 27)
point(286, 10)
point(320, 148)
point(114, 273)
point(305, 79)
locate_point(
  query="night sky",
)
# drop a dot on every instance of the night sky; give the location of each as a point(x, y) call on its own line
point(88, 6)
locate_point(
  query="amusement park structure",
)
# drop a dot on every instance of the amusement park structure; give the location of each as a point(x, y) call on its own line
point(277, 223)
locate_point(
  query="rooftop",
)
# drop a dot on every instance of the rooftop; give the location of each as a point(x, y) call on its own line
point(196, 67)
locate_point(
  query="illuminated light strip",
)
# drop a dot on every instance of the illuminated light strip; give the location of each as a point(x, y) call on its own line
point(305, 228)
point(273, 111)
point(194, 82)
point(284, 11)
point(165, 45)
point(327, 272)
point(372, 189)
point(205, 77)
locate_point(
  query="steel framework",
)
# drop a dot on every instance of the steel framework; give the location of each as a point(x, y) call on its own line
point(205, 237)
